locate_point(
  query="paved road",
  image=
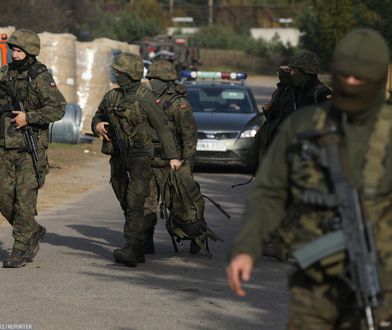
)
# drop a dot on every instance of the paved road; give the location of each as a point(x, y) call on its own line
point(74, 284)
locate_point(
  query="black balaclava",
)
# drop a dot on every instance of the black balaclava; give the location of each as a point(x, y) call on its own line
point(284, 76)
point(123, 80)
point(362, 53)
point(158, 86)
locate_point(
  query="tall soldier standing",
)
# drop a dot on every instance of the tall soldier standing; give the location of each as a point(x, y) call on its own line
point(30, 101)
point(171, 97)
point(132, 108)
point(300, 170)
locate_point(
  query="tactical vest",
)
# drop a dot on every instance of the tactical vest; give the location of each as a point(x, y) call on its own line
point(22, 86)
point(126, 111)
point(317, 217)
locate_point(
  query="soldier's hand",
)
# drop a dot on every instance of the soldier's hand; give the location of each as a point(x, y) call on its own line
point(20, 119)
point(175, 164)
point(102, 130)
point(267, 106)
point(239, 269)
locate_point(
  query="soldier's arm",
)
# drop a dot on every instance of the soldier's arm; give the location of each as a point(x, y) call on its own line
point(266, 202)
point(159, 122)
point(51, 99)
point(99, 115)
point(187, 129)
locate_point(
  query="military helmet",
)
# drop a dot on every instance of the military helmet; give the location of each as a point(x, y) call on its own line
point(161, 69)
point(306, 61)
point(26, 40)
point(130, 64)
point(362, 53)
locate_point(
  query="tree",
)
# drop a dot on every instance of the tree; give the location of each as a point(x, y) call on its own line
point(324, 23)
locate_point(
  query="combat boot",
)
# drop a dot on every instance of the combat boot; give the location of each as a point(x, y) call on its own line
point(131, 254)
point(125, 256)
point(16, 259)
point(33, 247)
point(148, 241)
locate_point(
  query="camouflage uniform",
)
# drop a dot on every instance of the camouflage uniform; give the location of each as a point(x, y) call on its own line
point(321, 298)
point(33, 85)
point(134, 109)
point(172, 99)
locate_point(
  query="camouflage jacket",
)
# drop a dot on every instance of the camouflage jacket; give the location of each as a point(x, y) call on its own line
point(35, 88)
point(285, 174)
point(135, 111)
point(181, 120)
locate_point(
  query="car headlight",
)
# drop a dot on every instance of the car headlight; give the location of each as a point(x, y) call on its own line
point(250, 132)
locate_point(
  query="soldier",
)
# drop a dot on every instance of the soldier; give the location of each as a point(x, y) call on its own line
point(307, 87)
point(321, 298)
point(282, 104)
point(26, 85)
point(171, 97)
point(133, 108)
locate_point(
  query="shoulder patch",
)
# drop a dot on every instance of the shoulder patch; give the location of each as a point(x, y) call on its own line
point(158, 101)
point(183, 105)
point(53, 84)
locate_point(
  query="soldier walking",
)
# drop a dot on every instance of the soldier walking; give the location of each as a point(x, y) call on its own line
point(30, 101)
point(132, 108)
point(171, 97)
point(301, 171)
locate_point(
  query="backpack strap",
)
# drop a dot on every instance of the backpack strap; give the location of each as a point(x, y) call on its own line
point(374, 168)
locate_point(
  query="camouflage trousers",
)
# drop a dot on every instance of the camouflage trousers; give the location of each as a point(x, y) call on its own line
point(329, 305)
point(131, 195)
point(18, 195)
point(157, 184)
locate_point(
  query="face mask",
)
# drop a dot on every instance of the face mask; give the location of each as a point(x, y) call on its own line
point(21, 64)
point(298, 78)
point(357, 98)
point(158, 86)
point(284, 77)
point(123, 79)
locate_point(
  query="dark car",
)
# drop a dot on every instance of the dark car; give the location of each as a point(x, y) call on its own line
point(227, 118)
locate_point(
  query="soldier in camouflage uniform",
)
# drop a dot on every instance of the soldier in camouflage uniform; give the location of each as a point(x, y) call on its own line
point(321, 296)
point(171, 97)
point(133, 108)
point(28, 81)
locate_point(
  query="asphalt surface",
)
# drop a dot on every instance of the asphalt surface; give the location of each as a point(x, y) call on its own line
point(74, 284)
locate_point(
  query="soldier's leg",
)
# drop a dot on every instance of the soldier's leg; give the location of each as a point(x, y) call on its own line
point(119, 181)
point(137, 191)
point(150, 215)
point(25, 209)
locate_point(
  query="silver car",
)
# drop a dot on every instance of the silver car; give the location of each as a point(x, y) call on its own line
point(227, 120)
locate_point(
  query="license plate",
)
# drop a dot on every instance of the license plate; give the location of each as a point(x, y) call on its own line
point(204, 145)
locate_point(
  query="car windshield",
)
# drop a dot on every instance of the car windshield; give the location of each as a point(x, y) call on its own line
point(213, 99)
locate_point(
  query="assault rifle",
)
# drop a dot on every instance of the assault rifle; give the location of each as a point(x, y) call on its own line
point(118, 144)
point(351, 232)
point(31, 145)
